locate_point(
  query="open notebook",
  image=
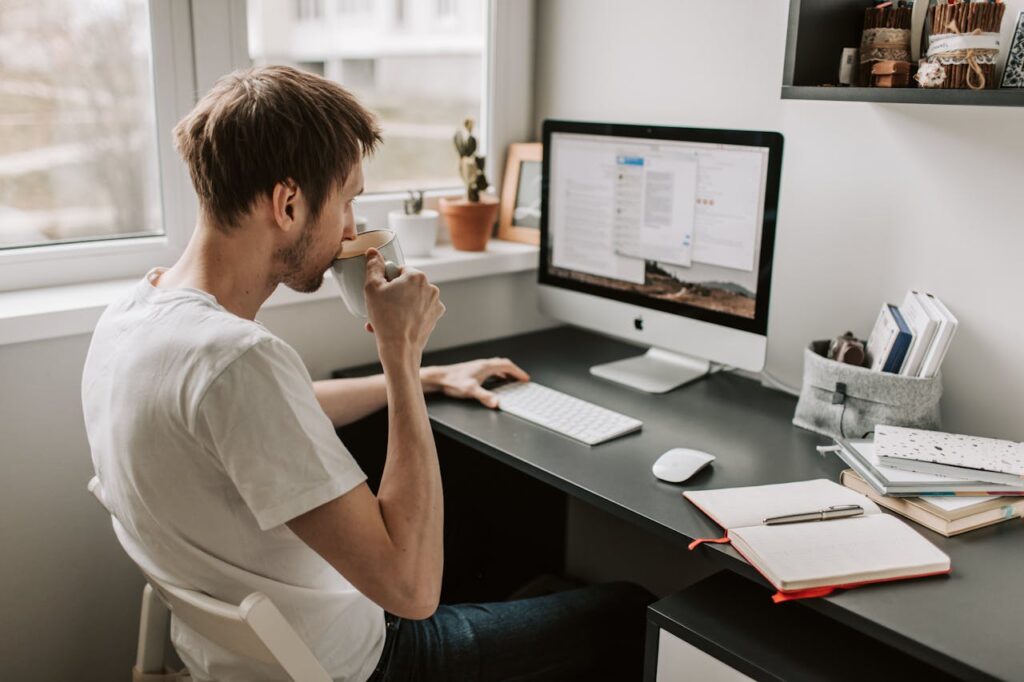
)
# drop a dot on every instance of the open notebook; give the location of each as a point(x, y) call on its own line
point(813, 558)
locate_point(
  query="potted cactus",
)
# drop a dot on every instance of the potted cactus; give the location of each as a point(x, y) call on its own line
point(471, 218)
point(415, 226)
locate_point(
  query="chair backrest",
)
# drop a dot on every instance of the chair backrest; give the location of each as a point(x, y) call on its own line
point(254, 629)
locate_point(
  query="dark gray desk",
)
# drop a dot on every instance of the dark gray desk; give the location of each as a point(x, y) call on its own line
point(968, 623)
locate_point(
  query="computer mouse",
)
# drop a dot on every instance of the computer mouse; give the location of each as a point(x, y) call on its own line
point(678, 464)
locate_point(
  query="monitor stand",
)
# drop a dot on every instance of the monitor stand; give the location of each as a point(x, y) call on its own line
point(656, 371)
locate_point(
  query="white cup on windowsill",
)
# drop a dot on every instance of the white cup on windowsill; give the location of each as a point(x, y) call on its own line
point(417, 231)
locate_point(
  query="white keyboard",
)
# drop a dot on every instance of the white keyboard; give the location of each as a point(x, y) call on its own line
point(563, 413)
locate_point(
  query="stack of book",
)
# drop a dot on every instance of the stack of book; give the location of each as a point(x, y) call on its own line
point(911, 339)
point(947, 504)
point(948, 454)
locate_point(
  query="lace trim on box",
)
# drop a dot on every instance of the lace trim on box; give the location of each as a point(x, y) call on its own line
point(959, 48)
point(885, 44)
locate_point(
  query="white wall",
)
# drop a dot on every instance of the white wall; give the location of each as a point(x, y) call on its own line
point(875, 198)
point(868, 209)
point(69, 605)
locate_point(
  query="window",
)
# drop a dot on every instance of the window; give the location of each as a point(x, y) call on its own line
point(90, 185)
point(78, 153)
point(445, 9)
point(420, 79)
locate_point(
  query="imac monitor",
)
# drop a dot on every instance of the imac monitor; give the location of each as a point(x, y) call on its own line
point(661, 236)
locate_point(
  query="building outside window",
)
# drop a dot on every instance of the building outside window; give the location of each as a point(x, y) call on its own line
point(309, 10)
point(420, 72)
point(90, 186)
point(78, 153)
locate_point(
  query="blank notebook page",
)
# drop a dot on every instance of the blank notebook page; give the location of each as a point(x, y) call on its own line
point(802, 555)
point(734, 508)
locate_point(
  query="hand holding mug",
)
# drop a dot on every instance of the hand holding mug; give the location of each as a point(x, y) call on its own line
point(402, 312)
point(350, 265)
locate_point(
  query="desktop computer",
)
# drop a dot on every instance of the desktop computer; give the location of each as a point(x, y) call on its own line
point(661, 236)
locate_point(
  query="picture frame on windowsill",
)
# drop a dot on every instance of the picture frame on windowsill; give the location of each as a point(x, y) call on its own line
point(519, 219)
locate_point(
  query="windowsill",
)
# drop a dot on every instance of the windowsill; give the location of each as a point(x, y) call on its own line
point(54, 312)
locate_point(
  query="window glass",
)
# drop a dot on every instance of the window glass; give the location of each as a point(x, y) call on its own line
point(78, 158)
point(417, 64)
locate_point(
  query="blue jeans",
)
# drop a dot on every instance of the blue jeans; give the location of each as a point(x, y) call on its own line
point(589, 633)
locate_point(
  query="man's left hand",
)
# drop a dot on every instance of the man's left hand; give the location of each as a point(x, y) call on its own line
point(465, 379)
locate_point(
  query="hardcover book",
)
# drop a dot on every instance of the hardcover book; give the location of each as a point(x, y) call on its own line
point(947, 516)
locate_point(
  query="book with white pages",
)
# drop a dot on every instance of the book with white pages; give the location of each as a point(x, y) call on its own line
point(943, 337)
point(947, 516)
point(813, 558)
point(883, 336)
point(923, 322)
point(860, 456)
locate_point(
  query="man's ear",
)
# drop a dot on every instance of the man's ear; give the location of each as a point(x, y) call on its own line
point(284, 201)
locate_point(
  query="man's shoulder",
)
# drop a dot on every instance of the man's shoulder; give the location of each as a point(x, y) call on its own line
point(186, 337)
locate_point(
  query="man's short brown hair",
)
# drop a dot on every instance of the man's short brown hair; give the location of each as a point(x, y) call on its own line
point(262, 126)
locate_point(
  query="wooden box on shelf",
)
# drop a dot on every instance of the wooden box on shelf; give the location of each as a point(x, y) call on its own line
point(820, 29)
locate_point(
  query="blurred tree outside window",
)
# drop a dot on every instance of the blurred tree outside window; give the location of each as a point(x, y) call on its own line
point(417, 64)
point(78, 154)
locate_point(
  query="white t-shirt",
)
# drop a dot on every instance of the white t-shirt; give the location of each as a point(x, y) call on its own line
point(207, 437)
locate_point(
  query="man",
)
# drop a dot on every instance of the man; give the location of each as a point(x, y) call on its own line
point(218, 454)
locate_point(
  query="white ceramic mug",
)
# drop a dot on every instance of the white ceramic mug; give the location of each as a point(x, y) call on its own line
point(350, 265)
point(418, 231)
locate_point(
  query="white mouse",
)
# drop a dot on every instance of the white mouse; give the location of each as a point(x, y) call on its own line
point(678, 464)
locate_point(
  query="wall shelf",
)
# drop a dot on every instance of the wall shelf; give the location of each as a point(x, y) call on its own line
point(1004, 98)
point(820, 29)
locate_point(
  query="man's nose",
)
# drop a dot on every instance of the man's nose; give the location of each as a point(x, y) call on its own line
point(349, 232)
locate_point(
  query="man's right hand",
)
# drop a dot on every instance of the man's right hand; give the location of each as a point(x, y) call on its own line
point(403, 312)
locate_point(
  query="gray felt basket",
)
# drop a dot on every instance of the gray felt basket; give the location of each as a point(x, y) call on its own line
point(841, 400)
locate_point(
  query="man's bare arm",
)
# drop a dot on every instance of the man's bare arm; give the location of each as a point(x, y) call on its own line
point(349, 400)
point(390, 547)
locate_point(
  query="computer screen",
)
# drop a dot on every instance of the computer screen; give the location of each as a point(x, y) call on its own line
point(673, 219)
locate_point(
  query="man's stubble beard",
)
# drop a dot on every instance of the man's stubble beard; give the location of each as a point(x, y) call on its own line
point(292, 263)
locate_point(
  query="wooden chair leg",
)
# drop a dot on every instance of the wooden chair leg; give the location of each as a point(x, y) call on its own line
point(154, 630)
point(154, 633)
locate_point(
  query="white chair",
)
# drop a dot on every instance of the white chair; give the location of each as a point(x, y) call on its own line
point(254, 629)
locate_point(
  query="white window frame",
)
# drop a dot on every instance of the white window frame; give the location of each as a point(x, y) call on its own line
point(197, 41)
point(174, 88)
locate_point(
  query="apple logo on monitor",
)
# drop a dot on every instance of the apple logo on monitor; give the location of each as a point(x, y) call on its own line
point(638, 323)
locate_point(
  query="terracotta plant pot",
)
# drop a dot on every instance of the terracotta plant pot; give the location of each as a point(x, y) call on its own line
point(470, 223)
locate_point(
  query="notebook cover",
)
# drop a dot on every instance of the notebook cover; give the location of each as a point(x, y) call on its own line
point(897, 482)
point(983, 458)
point(894, 363)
